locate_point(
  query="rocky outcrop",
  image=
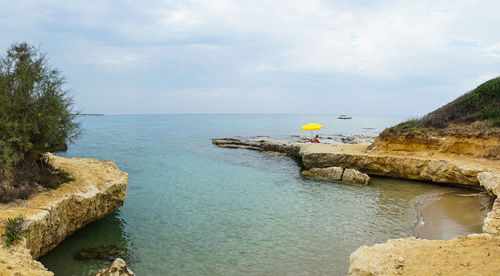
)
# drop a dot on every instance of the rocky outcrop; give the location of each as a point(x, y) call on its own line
point(16, 260)
point(260, 144)
point(337, 174)
point(491, 224)
point(425, 167)
point(407, 167)
point(328, 174)
point(117, 268)
point(482, 144)
point(99, 188)
point(491, 182)
point(356, 177)
point(472, 255)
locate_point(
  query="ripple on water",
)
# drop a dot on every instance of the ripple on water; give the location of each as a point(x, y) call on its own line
point(195, 209)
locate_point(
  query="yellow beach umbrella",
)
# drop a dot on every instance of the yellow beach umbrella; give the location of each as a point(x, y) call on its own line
point(311, 127)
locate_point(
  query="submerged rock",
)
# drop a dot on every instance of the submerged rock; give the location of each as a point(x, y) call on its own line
point(117, 268)
point(108, 252)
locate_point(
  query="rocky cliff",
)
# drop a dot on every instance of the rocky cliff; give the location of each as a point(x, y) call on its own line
point(481, 144)
point(99, 188)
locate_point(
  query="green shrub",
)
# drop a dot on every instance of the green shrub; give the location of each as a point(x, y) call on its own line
point(63, 177)
point(480, 104)
point(14, 230)
point(36, 113)
point(36, 116)
point(496, 122)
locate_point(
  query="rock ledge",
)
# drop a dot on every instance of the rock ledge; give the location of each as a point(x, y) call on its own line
point(52, 216)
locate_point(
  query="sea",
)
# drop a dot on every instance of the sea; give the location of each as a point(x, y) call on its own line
point(193, 208)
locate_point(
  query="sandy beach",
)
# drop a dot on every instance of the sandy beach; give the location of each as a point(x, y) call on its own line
point(444, 216)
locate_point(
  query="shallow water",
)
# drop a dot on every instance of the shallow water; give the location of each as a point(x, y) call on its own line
point(195, 209)
point(444, 216)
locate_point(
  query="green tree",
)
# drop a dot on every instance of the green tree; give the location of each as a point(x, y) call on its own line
point(36, 112)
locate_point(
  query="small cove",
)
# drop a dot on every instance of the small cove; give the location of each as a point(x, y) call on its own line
point(195, 209)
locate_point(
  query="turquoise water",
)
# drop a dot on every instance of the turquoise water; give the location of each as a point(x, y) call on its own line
point(195, 209)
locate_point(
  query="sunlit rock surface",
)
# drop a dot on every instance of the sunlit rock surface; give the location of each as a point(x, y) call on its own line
point(99, 189)
point(476, 254)
point(354, 176)
point(117, 268)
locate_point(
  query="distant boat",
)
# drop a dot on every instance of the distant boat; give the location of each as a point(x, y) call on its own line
point(344, 117)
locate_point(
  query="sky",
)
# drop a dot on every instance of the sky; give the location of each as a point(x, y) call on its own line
point(387, 57)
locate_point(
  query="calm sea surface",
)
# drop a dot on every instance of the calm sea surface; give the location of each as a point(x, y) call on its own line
point(195, 209)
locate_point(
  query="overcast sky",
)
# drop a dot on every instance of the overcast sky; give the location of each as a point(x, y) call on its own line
point(253, 56)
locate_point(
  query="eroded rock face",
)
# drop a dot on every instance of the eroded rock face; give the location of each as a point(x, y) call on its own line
point(337, 174)
point(475, 144)
point(98, 190)
point(328, 174)
point(490, 181)
point(470, 255)
point(53, 215)
point(16, 260)
point(407, 167)
point(491, 223)
point(117, 268)
point(439, 169)
point(356, 177)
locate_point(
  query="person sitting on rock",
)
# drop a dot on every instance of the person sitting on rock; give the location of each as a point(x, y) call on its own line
point(316, 139)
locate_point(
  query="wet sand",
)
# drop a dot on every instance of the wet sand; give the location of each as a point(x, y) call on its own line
point(444, 216)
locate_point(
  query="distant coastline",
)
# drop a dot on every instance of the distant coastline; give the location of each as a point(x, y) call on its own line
point(90, 114)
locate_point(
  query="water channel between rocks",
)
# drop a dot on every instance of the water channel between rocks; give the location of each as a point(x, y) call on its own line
point(195, 209)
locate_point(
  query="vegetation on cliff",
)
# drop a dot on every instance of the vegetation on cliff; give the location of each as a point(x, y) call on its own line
point(14, 230)
point(477, 109)
point(36, 116)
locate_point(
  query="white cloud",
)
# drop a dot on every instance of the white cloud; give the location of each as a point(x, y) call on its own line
point(230, 43)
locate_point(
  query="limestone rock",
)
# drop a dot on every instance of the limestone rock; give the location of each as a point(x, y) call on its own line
point(406, 167)
point(425, 165)
point(356, 177)
point(16, 260)
point(117, 268)
point(470, 255)
point(99, 189)
point(261, 144)
point(490, 181)
point(329, 174)
point(475, 144)
point(491, 224)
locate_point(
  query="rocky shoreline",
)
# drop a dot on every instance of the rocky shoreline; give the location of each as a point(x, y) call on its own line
point(99, 188)
point(444, 169)
point(463, 255)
